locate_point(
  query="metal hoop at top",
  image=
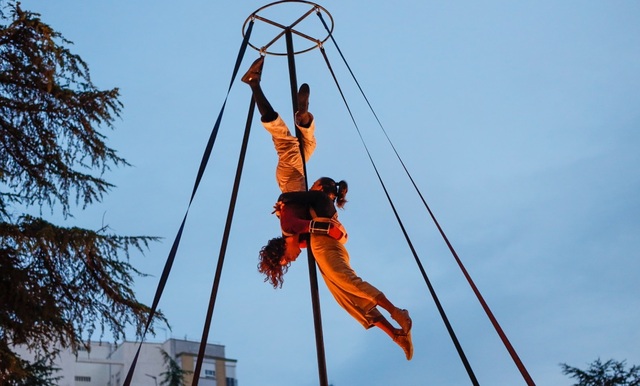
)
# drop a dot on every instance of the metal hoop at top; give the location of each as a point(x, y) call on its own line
point(266, 49)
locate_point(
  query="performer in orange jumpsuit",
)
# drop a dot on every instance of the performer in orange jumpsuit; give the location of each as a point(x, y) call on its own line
point(313, 212)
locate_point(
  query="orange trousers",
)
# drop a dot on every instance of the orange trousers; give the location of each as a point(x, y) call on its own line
point(352, 293)
point(290, 169)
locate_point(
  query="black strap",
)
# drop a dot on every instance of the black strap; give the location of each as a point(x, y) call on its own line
point(505, 340)
point(174, 248)
point(406, 235)
point(436, 300)
point(223, 247)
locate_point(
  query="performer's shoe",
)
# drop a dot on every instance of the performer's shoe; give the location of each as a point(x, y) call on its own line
point(404, 320)
point(303, 116)
point(404, 341)
point(254, 72)
point(303, 98)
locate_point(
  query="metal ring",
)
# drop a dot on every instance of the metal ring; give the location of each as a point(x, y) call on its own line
point(264, 49)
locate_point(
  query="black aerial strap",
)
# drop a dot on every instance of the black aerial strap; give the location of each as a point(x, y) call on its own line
point(500, 332)
point(406, 235)
point(174, 248)
point(313, 274)
point(223, 247)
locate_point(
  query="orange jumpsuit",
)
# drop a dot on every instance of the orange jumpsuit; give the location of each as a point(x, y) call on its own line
point(355, 295)
point(290, 170)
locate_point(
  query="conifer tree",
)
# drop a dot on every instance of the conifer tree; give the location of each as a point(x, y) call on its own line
point(175, 375)
point(609, 373)
point(59, 286)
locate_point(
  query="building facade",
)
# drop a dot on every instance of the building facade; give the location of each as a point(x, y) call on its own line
point(107, 364)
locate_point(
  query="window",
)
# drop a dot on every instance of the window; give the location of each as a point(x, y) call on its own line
point(81, 378)
point(208, 370)
point(232, 382)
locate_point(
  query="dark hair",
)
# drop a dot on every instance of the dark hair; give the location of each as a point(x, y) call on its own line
point(339, 189)
point(269, 264)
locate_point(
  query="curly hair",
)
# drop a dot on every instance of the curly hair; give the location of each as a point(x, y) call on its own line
point(269, 264)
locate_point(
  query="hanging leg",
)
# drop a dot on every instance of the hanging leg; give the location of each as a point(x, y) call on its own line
point(252, 78)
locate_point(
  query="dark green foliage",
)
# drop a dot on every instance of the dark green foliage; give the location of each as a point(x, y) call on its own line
point(38, 373)
point(609, 373)
point(49, 114)
point(174, 376)
point(58, 285)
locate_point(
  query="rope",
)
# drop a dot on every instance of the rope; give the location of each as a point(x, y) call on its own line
point(174, 248)
point(500, 332)
point(313, 274)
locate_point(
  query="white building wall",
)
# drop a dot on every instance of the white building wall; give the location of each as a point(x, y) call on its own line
point(148, 368)
point(94, 367)
point(230, 369)
point(107, 364)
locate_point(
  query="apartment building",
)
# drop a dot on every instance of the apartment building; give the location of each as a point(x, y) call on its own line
point(107, 364)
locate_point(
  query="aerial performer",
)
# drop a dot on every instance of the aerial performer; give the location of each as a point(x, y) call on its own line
point(312, 215)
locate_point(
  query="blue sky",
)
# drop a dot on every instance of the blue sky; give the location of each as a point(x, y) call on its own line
point(518, 120)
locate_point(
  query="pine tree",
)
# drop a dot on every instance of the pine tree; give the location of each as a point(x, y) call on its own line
point(175, 375)
point(58, 285)
point(609, 373)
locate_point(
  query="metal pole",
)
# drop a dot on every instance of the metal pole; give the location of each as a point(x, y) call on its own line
point(313, 275)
